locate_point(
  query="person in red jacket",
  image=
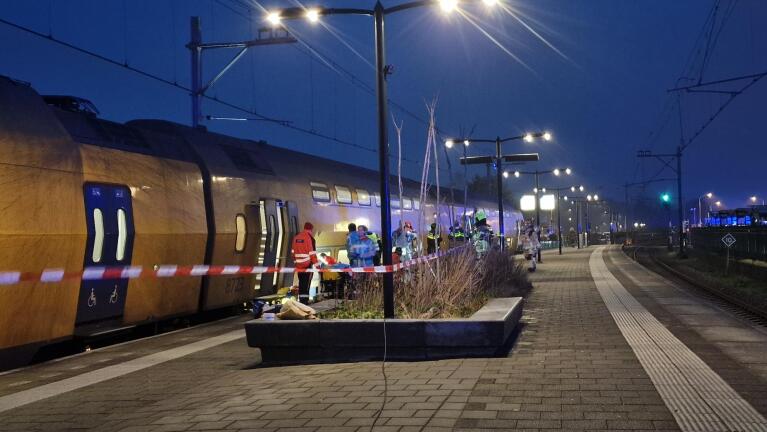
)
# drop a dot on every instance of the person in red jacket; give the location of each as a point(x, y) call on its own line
point(304, 256)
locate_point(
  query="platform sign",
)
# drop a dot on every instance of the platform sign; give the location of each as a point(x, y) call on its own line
point(728, 241)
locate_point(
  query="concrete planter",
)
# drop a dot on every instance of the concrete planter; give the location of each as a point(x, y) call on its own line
point(484, 334)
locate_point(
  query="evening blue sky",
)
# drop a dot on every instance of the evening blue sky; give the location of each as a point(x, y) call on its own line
point(603, 98)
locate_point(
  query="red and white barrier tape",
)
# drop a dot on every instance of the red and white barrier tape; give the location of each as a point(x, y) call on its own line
point(164, 271)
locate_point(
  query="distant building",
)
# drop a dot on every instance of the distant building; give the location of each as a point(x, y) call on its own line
point(751, 216)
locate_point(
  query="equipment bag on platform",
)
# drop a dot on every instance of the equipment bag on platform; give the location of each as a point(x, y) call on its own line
point(293, 310)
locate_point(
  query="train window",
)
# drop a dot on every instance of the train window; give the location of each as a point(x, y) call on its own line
point(98, 238)
point(363, 197)
point(417, 204)
point(122, 234)
point(378, 199)
point(320, 192)
point(343, 195)
point(394, 203)
point(407, 203)
point(242, 230)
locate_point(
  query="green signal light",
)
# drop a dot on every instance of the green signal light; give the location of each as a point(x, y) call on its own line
point(665, 198)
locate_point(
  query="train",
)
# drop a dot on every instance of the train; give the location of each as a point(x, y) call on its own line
point(77, 190)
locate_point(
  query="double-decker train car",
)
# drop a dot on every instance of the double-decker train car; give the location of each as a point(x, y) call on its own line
point(77, 190)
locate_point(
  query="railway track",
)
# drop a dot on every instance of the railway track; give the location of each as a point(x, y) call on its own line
point(724, 300)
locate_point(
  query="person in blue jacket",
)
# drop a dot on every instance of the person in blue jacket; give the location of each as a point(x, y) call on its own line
point(363, 249)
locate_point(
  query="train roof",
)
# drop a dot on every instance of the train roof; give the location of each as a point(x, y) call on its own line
point(273, 156)
point(161, 138)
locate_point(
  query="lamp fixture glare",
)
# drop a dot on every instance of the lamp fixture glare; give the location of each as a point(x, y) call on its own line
point(313, 15)
point(274, 18)
point(528, 137)
point(448, 5)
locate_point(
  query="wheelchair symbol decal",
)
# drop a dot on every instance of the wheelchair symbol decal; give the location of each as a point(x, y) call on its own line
point(113, 297)
point(92, 298)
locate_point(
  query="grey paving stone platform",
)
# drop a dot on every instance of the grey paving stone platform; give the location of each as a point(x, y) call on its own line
point(570, 370)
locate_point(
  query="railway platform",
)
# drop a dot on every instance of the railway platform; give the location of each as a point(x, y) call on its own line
point(605, 345)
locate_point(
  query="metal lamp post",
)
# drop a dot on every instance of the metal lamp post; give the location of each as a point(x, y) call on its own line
point(559, 215)
point(498, 160)
point(708, 195)
point(382, 70)
point(557, 172)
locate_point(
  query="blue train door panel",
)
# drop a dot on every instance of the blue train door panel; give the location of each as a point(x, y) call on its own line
point(109, 217)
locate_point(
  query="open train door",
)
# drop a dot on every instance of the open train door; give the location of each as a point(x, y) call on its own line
point(290, 223)
point(253, 242)
point(109, 219)
point(272, 236)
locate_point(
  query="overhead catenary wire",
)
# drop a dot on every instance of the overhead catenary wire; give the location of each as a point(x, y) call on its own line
point(188, 90)
point(334, 66)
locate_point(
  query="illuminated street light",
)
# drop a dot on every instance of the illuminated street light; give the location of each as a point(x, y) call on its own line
point(448, 5)
point(588, 197)
point(497, 160)
point(708, 195)
point(528, 137)
point(274, 18)
point(449, 143)
point(556, 171)
point(313, 15)
point(547, 137)
point(718, 203)
point(636, 224)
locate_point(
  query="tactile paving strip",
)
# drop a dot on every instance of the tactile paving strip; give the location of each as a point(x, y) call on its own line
point(698, 397)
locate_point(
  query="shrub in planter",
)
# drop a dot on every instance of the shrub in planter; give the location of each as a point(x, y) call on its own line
point(456, 285)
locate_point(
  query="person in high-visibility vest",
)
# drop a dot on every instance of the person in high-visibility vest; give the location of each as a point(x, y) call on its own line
point(377, 245)
point(456, 233)
point(304, 256)
point(433, 239)
point(482, 236)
